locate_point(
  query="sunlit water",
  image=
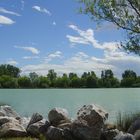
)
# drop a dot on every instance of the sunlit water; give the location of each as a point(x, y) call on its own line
point(28, 101)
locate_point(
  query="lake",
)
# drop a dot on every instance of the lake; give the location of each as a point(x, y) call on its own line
point(28, 101)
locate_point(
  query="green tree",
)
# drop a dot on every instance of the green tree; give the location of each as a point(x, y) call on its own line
point(34, 79)
point(24, 82)
point(123, 13)
point(8, 82)
point(52, 75)
point(6, 69)
point(43, 82)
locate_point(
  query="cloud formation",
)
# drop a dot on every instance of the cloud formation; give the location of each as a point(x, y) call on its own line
point(33, 50)
point(12, 62)
point(42, 10)
point(3, 10)
point(30, 57)
point(5, 20)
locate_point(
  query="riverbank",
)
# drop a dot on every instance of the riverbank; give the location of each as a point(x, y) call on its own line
point(90, 124)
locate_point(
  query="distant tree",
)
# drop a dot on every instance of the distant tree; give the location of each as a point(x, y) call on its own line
point(34, 79)
point(9, 70)
point(52, 75)
point(8, 82)
point(128, 78)
point(43, 82)
point(125, 14)
point(24, 82)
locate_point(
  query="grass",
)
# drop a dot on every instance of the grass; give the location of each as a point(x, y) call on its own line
point(124, 121)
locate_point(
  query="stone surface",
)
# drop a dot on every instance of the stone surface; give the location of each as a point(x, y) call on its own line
point(64, 125)
point(57, 116)
point(137, 135)
point(93, 114)
point(134, 126)
point(34, 129)
point(6, 119)
point(9, 112)
point(109, 134)
point(12, 130)
point(124, 136)
point(36, 117)
point(54, 133)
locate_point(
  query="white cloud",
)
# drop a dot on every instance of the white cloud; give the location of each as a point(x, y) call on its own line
point(12, 62)
point(30, 49)
point(3, 10)
point(42, 10)
point(51, 56)
point(112, 57)
point(6, 20)
point(30, 57)
point(22, 4)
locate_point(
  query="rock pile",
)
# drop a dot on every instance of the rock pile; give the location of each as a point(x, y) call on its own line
point(88, 125)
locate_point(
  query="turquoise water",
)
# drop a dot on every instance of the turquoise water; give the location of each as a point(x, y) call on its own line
point(28, 101)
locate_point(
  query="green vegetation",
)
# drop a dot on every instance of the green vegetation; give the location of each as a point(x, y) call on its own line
point(125, 14)
point(10, 78)
point(124, 121)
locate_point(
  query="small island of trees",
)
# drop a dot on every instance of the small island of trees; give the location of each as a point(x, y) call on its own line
point(10, 78)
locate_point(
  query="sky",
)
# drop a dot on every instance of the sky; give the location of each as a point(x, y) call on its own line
point(38, 35)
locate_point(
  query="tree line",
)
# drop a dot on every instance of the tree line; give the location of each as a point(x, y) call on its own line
point(10, 78)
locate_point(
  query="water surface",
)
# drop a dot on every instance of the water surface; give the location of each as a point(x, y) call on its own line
point(28, 101)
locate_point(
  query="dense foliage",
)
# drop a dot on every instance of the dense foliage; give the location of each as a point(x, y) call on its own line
point(11, 78)
point(125, 14)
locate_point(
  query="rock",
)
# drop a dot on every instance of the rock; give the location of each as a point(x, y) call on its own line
point(12, 130)
point(109, 126)
point(24, 121)
point(2, 114)
point(109, 134)
point(57, 116)
point(54, 133)
point(34, 129)
point(36, 117)
point(134, 126)
point(6, 119)
point(93, 114)
point(9, 112)
point(43, 129)
point(122, 136)
point(89, 123)
point(137, 135)
point(64, 125)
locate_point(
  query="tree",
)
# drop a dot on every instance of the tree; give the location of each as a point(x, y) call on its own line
point(129, 74)
point(43, 82)
point(24, 82)
point(34, 79)
point(123, 13)
point(9, 70)
point(52, 75)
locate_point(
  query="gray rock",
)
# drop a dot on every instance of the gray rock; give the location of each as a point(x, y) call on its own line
point(93, 114)
point(137, 135)
point(34, 129)
point(12, 130)
point(64, 125)
point(58, 116)
point(36, 117)
point(124, 136)
point(109, 134)
point(134, 126)
point(2, 114)
point(24, 121)
point(89, 123)
point(9, 112)
point(6, 119)
point(54, 133)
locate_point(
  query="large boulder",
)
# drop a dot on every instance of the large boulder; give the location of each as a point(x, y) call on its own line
point(9, 112)
point(89, 123)
point(124, 136)
point(134, 126)
point(12, 130)
point(34, 129)
point(93, 114)
point(36, 117)
point(58, 116)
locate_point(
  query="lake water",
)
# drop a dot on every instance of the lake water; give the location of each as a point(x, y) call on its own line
point(28, 101)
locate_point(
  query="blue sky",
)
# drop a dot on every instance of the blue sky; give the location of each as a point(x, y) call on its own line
point(38, 35)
